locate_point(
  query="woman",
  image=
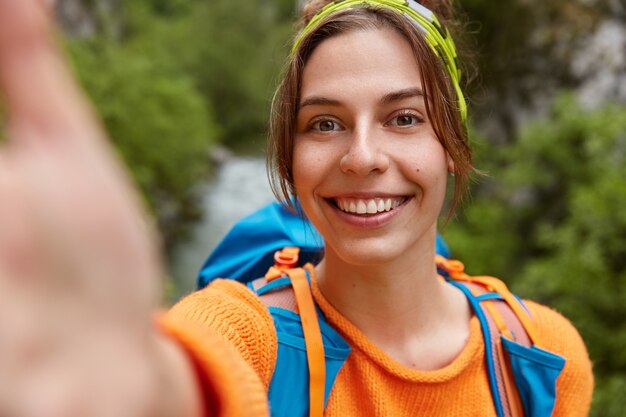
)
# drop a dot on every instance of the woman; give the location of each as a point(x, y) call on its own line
point(368, 124)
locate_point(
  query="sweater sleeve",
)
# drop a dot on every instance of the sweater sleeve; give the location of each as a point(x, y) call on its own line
point(228, 386)
point(231, 310)
point(575, 384)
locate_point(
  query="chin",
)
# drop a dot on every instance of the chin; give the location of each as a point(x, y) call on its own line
point(366, 252)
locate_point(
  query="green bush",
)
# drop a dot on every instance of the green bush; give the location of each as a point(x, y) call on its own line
point(234, 54)
point(552, 223)
point(158, 121)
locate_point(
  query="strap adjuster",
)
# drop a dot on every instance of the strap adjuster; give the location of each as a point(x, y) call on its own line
point(284, 259)
point(287, 257)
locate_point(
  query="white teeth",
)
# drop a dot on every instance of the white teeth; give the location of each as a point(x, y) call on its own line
point(368, 206)
point(372, 207)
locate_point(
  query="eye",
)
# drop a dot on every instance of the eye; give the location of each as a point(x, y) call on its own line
point(405, 119)
point(324, 125)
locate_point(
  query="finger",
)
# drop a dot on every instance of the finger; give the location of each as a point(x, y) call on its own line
point(18, 258)
point(39, 91)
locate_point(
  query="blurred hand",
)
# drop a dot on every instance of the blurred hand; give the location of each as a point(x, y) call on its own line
point(79, 270)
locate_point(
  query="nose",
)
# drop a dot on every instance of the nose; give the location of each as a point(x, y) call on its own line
point(365, 154)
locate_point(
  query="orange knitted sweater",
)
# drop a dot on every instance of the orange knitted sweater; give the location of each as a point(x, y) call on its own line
point(370, 382)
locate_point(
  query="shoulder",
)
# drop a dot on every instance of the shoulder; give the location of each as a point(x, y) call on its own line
point(233, 311)
point(558, 335)
point(222, 301)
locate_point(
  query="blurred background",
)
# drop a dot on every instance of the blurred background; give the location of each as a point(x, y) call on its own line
point(184, 87)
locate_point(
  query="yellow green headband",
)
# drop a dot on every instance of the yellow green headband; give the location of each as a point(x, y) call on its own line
point(434, 32)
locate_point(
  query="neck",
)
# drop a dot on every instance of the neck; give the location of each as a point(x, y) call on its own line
point(395, 304)
point(379, 293)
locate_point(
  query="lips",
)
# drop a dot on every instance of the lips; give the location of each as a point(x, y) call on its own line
point(368, 205)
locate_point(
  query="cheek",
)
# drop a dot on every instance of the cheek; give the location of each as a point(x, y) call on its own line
point(425, 164)
point(306, 163)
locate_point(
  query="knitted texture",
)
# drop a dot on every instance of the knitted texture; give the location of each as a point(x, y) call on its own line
point(371, 383)
point(233, 311)
point(230, 387)
point(575, 385)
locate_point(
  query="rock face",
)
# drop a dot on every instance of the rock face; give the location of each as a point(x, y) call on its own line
point(600, 64)
point(79, 18)
point(574, 45)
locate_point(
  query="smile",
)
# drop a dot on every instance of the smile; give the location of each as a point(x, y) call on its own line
point(368, 205)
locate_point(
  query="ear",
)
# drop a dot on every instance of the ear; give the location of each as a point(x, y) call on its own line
point(450, 163)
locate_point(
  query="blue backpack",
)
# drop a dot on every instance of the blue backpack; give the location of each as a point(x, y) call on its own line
point(273, 241)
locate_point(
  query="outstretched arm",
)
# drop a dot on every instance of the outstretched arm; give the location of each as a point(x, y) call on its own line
point(79, 268)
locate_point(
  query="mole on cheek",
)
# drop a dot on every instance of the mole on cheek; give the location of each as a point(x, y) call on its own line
point(417, 170)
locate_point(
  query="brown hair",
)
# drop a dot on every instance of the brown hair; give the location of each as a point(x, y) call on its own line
point(441, 101)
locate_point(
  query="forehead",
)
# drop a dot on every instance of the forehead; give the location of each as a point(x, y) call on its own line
point(374, 61)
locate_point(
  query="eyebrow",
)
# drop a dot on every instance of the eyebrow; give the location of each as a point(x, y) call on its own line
point(386, 99)
point(319, 101)
point(401, 95)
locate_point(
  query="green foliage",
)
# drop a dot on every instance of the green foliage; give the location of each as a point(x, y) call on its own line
point(554, 226)
point(234, 54)
point(157, 119)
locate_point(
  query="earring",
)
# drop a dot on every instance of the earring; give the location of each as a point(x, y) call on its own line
point(451, 174)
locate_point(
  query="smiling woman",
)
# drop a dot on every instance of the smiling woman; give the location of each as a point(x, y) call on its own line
point(367, 124)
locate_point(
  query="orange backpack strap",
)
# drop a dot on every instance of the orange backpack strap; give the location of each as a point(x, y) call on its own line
point(298, 299)
point(312, 338)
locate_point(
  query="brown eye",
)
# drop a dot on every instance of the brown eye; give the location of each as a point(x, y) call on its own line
point(326, 126)
point(405, 120)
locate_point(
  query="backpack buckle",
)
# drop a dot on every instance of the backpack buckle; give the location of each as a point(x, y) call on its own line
point(452, 266)
point(287, 257)
point(284, 259)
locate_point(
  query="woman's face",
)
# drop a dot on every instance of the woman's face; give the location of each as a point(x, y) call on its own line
point(368, 168)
